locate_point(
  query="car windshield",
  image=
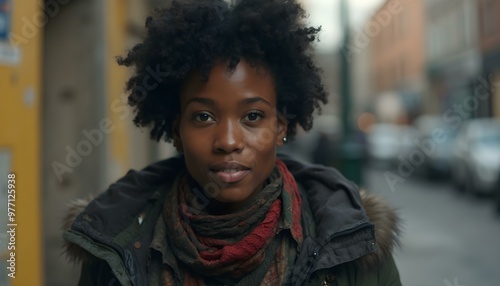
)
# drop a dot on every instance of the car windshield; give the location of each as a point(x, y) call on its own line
point(488, 139)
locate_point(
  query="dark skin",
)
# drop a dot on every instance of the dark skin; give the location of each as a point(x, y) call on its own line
point(230, 118)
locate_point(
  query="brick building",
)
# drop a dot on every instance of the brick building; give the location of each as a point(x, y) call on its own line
point(398, 55)
point(489, 40)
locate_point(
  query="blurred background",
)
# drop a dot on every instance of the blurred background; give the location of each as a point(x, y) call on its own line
point(413, 116)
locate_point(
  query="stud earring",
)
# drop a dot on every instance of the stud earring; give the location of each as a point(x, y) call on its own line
point(284, 139)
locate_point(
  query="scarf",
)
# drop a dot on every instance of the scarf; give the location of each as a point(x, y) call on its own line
point(248, 247)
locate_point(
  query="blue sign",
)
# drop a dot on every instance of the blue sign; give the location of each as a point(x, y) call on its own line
point(5, 12)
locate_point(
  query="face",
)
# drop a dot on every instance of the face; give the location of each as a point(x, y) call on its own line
point(229, 130)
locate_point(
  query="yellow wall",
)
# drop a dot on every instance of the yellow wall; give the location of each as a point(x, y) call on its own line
point(20, 133)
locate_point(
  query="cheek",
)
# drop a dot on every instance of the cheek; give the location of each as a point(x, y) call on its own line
point(264, 138)
point(195, 149)
point(262, 145)
point(194, 141)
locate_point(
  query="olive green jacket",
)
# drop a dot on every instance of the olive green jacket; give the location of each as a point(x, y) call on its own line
point(348, 235)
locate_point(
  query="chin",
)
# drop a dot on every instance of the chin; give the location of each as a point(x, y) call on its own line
point(229, 196)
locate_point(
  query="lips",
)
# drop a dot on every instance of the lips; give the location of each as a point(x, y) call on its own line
point(229, 171)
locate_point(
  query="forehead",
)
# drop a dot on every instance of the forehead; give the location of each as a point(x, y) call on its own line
point(223, 84)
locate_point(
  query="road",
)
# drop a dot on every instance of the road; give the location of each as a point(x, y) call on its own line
point(449, 238)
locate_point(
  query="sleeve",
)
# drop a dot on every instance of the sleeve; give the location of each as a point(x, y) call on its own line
point(96, 272)
point(389, 274)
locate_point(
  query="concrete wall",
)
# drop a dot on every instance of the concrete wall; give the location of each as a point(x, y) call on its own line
point(87, 124)
point(74, 166)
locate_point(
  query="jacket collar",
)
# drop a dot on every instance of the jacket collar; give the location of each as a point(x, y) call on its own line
point(342, 213)
point(362, 224)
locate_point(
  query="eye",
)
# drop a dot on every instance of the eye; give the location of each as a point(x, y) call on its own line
point(203, 117)
point(254, 116)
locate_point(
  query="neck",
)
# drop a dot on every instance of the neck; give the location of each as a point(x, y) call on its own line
point(216, 207)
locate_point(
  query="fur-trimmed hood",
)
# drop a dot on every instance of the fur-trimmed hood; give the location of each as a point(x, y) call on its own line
point(74, 252)
point(336, 204)
point(385, 219)
point(387, 229)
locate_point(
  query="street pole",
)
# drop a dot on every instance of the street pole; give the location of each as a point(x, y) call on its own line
point(352, 150)
point(345, 79)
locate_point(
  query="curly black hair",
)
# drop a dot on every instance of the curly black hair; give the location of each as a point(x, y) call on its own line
point(194, 35)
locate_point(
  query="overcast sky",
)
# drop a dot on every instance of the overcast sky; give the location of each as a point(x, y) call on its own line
point(326, 13)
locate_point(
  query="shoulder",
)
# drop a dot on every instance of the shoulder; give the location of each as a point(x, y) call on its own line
point(375, 267)
point(385, 274)
point(338, 207)
point(114, 210)
point(387, 229)
point(74, 252)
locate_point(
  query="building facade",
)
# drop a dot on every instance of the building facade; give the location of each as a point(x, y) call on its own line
point(66, 130)
point(489, 33)
point(21, 252)
point(453, 55)
point(398, 54)
point(89, 140)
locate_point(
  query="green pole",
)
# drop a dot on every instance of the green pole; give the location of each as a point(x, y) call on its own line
point(345, 80)
point(352, 153)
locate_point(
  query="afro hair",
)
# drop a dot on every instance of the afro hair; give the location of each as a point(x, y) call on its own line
point(195, 35)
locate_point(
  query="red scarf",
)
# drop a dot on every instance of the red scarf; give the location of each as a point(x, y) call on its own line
point(230, 247)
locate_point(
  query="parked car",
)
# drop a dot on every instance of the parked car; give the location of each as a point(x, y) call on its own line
point(497, 203)
point(436, 137)
point(406, 138)
point(476, 156)
point(383, 144)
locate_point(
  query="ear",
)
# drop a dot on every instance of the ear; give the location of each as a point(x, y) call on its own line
point(176, 134)
point(282, 125)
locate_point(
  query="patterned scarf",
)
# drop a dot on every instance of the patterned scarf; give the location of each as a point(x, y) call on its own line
point(248, 247)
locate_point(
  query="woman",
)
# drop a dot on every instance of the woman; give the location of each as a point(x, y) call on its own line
point(229, 84)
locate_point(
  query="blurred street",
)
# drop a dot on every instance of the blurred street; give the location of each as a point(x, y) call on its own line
point(412, 84)
point(449, 238)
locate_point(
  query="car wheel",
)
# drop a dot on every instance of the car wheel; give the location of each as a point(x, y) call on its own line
point(431, 174)
point(458, 178)
point(470, 186)
point(498, 200)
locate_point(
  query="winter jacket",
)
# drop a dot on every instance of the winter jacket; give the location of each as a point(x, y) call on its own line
point(348, 235)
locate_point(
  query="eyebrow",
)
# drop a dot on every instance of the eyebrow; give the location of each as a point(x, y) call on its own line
point(210, 102)
point(256, 99)
point(206, 101)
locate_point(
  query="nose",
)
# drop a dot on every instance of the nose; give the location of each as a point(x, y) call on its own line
point(228, 137)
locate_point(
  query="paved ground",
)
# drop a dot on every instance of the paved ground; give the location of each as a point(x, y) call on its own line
point(449, 238)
